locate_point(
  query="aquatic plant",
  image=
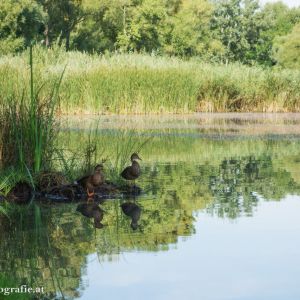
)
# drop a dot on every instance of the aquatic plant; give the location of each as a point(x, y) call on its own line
point(28, 126)
point(3, 210)
point(140, 83)
point(75, 162)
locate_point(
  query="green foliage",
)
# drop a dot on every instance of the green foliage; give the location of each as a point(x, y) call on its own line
point(275, 19)
point(224, 30)
point(3, 211)
point(190, 30)
point(20, 22)
point(145, 30)
point(287, 49)
point(235, 24)
point(63, 17)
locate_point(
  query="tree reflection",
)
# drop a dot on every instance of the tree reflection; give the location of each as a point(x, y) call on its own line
point(48, 245)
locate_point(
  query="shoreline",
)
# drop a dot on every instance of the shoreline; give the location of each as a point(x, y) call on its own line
point(208, 123)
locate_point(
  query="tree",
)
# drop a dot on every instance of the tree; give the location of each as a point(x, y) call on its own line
point(105, 21)
point(287, 49)
point(145, 28)
point(20, 22)
point(190, 29)
point(276, 19)
point(235, 24)
point(63, 17)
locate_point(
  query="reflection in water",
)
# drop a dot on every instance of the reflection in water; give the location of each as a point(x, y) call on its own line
point(92, 210)
point(239, 183)
point(133, 211)
point(49, 245)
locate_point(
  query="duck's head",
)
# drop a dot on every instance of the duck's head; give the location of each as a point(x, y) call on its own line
point(98, 168)
point(135, 156)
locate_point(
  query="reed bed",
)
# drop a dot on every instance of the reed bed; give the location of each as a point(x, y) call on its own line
point(27, 122)
point(144, 84)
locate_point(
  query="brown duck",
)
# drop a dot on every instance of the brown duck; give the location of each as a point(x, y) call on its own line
point(132, 172)
point(91, 182)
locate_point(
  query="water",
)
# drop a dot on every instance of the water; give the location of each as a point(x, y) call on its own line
point(219, 216)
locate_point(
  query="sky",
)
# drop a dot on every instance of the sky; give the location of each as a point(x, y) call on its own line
point(290, 3)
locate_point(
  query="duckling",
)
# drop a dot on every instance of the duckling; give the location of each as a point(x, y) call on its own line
point(132, 172)
point(133, 211)
point(92, 210)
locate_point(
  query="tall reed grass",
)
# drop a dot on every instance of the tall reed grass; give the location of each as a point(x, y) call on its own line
point(27, 122)
point(137, 83)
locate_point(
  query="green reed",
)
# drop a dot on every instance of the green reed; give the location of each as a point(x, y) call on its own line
point(138, 83)
point(28, 126)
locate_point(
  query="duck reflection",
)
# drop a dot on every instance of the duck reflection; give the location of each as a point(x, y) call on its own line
point(133, 211)
point(92, 210)
point(252, 169)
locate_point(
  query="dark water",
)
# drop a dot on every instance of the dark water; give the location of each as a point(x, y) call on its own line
point(220, 216)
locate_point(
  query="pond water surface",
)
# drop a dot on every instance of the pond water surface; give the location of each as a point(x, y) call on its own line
point(220, 215)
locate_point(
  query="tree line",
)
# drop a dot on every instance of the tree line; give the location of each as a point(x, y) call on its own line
point(216, 30)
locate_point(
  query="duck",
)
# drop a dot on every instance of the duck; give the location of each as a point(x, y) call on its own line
point(92, 210)
point(132, 172)
point(133, 211)
point(93, 181)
